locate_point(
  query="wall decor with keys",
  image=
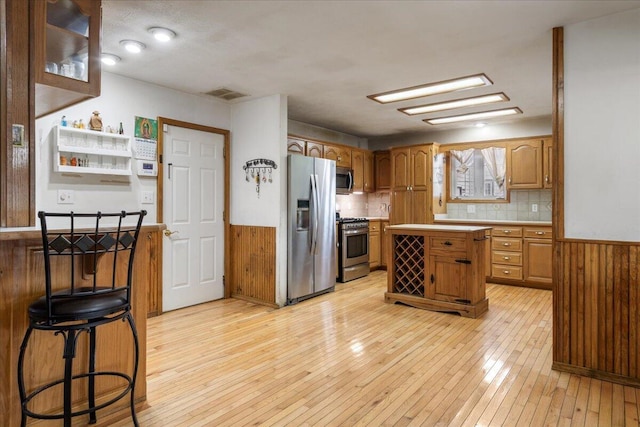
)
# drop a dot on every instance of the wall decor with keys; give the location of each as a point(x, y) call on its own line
point(259, 171)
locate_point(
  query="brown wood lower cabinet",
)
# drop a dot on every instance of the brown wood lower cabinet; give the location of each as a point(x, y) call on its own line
point(521, 256)
point(374, 244)
point(438, 268)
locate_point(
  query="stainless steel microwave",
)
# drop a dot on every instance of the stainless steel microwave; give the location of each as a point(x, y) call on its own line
point(344, 181)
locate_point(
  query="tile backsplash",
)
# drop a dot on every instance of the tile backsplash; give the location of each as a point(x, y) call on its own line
point(520, 208)
point(363, 205)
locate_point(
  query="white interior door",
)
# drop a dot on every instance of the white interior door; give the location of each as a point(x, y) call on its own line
point(193, 203)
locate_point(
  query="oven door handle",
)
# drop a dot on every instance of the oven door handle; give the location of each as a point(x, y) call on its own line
point(316, 203)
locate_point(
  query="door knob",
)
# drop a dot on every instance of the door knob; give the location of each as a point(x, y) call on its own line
point(169, 232)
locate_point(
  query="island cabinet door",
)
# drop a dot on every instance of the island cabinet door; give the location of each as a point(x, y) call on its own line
point(447, 279)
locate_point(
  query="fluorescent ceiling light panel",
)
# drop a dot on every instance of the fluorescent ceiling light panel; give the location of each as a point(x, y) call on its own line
point(458, 103)
point(453, 85)
point(474, 116)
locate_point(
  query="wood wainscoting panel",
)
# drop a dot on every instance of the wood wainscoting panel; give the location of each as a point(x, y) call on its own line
point(596, 304)
point(253, 264)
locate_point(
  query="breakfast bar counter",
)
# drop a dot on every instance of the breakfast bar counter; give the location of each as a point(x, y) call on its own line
point(22, 281)
point(438, 267)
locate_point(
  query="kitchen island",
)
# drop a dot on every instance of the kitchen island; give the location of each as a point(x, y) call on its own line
point(21, 282)
point(438, 267)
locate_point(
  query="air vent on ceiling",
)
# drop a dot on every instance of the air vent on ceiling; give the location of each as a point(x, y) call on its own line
point(226, 94)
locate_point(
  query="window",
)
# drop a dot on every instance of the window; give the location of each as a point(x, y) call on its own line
point(478, 174)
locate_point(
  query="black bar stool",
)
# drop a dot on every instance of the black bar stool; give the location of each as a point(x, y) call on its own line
point(97, 245)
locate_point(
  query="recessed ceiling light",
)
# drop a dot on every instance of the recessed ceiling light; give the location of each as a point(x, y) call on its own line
point(461, 83)
point(132, 46)
point(474, 116)
point(162, 34)
point(109, 59)
point(458, 103)
point(480, 124)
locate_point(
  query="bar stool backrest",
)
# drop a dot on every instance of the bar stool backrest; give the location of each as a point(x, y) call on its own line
point(84, 257)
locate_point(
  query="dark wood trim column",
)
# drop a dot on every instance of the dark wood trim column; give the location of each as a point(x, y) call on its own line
point(17, 171)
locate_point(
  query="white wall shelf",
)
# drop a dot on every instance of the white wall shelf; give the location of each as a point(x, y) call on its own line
point(91, 152)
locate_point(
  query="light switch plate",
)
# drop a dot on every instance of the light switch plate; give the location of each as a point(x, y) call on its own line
point(471, 208)
point(147, 197)
point(66, 197)
point(534, 207)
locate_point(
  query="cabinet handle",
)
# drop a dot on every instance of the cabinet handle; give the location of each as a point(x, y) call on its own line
point(546, 179)
point(447, 243)
point(507, 244)
point(540, 233)
point(507, 231)
point(509, 180)
point(433, 279)
point(506, 272)
point(507, 258)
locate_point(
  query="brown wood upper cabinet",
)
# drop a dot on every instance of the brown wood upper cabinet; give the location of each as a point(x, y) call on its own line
point(362, 165)
point(296, 146)
point(341, 155)
point(67, 52)
point(383, 170)
point(411, 189)
point(525, 164)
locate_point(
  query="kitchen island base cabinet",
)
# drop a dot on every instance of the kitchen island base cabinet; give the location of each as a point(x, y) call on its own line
point(440, 268)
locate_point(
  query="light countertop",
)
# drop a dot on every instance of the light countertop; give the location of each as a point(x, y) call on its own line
point(436, 227)
point(491, 222)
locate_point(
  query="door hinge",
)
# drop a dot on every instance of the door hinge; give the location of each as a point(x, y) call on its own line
point(160, 159)
point(223, 281)
point(433, 279)
point(223, 216)
point(224, 152)
point(463, 261)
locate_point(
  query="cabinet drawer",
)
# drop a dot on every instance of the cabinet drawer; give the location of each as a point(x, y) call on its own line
point(447, 244)
point(507, 231)
point(506, 271)
point(374, 226)
point(500, 257)
point(506, 244)
point(538, 233)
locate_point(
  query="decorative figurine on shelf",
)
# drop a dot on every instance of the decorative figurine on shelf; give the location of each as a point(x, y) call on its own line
point(81, 124)
point(63, 121)
point(95, 123)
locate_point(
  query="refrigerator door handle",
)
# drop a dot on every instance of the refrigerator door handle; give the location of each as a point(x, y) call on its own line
point(316, 204)
point(350, 180)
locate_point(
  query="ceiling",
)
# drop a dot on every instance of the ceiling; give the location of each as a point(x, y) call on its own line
point(327, 56)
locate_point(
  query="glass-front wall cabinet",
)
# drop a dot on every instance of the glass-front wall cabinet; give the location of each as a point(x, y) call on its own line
point(67, 40)
point(67, 52)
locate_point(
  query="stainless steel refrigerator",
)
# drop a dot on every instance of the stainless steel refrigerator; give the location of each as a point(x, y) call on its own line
point(311, 227)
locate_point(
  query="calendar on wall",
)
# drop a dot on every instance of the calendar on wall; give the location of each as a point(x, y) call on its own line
point(145, 149)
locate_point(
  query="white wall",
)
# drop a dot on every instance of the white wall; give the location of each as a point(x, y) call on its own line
point(324, 134)
point(525, 128)
point(259, 131)
point(602, 128)
point(121, 100)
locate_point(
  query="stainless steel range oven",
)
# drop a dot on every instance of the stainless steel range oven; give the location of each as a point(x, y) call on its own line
point(353, 248)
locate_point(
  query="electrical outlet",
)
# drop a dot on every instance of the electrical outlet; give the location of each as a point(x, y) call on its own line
point(534, 207)
point(147, 197)
point(471, 208)
point(66, 197)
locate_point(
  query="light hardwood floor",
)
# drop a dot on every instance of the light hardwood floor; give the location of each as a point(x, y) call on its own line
point(349, 359)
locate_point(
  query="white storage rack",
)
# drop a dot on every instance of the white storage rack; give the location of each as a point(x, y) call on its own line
point(91, 152)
